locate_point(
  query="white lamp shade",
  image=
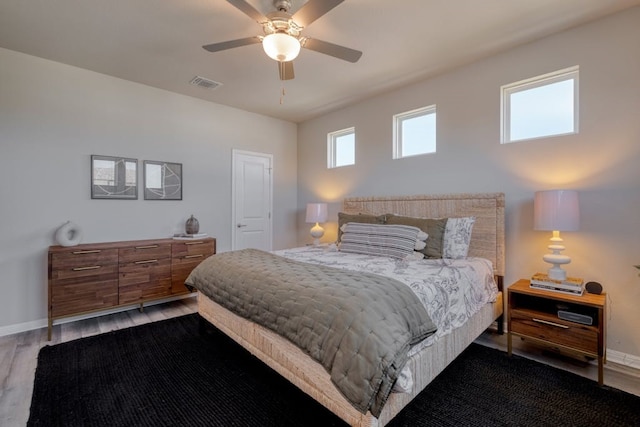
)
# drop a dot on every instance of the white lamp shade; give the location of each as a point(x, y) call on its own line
point(281, 46)
point(556, 210)
point(316, 212)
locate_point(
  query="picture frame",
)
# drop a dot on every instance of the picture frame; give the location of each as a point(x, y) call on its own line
point(114, 177)
point(162, 180)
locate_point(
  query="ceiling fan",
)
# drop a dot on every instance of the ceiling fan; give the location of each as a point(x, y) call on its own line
point(283, 33)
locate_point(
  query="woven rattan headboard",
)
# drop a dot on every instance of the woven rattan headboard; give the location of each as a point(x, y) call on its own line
point(487, 238)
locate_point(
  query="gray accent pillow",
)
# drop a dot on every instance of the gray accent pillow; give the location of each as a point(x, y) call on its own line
point(435, 228)
point(344, 218)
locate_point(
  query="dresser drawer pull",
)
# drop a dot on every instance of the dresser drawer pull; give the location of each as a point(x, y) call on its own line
point(92, 267)
point(147, 261)
point(94, 251)
point(147, 247)
point(194, 243)
point(193, 256)
point(546, 322)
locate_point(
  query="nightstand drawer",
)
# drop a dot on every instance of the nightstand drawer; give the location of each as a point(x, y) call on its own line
point(554, 330)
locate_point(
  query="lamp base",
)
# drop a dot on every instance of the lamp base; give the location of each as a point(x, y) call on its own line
point(317, 232)
point(556, 258)
point(557, 273)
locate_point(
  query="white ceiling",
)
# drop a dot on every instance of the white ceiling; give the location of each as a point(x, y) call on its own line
point(159, 43)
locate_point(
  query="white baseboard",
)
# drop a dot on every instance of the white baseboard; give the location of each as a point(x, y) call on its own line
point(624, 359)
point(42, 323)
point(617, 357)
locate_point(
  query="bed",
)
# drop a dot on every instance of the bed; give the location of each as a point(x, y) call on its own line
point(487, 242)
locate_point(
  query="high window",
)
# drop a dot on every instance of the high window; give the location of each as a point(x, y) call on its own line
point(540, 107)
point(341, 148)
point(414, 132)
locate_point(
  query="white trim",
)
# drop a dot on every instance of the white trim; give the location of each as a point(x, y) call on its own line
point(234, 153)
point(398, 140)
point(619, 358)
point(624, 359)
point(332, 141)
point(571, 73)
point(43, 323)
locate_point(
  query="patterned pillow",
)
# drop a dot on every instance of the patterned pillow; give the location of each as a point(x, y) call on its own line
point(457, 237)
point(395, 241)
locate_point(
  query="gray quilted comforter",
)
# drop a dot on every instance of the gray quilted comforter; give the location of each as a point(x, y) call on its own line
point(359, 326)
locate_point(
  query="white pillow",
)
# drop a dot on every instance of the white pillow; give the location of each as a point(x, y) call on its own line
point(395, 241)
point(457, 237)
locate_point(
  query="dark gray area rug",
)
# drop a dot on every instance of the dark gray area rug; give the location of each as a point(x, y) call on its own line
point(169, 374)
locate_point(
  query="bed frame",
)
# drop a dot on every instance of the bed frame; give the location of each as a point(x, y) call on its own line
point(284, 357)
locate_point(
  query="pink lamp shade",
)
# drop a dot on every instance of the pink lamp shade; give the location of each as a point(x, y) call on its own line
point(316, 212)
point(556, 210)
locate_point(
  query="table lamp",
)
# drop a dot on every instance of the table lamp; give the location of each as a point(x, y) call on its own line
point(316, 213)
point(556, 211)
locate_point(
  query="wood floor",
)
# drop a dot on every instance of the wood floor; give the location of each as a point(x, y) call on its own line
point(19, 352)
point(19, 355)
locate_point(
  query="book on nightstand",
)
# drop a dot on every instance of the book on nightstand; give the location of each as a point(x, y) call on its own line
point(571, 285)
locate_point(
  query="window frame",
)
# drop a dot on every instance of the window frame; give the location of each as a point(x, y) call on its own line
point(332, 140)
point(398, 120)
point(571, 73)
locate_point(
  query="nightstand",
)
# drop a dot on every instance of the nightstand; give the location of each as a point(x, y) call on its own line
point(533, 314)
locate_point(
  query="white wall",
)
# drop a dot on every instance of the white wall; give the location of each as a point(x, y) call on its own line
point(54, 116)
point(602, 162)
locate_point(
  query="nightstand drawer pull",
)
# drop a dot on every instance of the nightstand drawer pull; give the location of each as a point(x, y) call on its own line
point(194, 243)
point(147, 247)
point(193, 256)
point(93, 267)
point(546, 322)
point(146, 261)
point(94, 251)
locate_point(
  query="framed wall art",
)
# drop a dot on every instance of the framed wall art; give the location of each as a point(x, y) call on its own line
point(114, 177)
point(162, 180)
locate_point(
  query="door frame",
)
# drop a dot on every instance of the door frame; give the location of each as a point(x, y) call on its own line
point(234, 155)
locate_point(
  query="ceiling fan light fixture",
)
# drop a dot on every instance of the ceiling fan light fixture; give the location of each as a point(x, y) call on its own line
point(281, 47)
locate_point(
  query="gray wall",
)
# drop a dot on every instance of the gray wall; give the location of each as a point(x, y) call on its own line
point(54, 116)
point(602, 162)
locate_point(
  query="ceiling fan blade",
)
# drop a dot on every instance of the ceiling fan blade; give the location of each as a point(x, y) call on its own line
point(334, 50)
point(285, 69)
point(216, 47)
point(312, 10)
point(248, 10)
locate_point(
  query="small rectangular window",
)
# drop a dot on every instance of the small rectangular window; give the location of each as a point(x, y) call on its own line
point(341, 148)
point(414, 132)
point(541, 106)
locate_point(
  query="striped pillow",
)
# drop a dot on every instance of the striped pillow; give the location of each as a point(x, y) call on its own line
point(395, 241)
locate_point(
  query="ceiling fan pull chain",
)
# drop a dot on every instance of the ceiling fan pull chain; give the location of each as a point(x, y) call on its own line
point(282, 94)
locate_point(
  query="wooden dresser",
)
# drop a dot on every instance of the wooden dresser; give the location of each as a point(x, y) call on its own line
point(93, 277)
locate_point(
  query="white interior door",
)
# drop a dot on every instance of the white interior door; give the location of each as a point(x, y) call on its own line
point(251, 200)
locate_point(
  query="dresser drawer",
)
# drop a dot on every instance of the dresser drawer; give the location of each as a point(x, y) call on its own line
point(84, 272)
point(188, 252)
point(82, 294)
point(144, 271)
point(83, 259)
point(554, 330)
point(186, 257)
point(144, 253)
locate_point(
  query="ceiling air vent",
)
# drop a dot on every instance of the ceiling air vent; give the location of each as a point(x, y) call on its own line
point(205, 83)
